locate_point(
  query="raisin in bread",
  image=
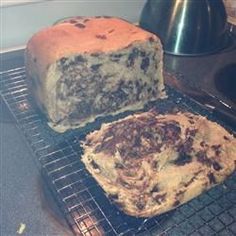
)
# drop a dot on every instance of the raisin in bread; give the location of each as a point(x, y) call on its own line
point(83, 68)
point(149, 164)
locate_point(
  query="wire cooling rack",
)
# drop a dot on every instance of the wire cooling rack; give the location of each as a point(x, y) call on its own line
point(83, 202)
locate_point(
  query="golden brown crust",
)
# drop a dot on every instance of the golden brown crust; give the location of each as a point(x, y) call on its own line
point(81, 35)
point(149, 164)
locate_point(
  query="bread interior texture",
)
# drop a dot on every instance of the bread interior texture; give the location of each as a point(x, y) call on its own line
point(83, 86)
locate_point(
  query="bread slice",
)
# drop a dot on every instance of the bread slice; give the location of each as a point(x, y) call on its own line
point(149, 164)
point(83, 68)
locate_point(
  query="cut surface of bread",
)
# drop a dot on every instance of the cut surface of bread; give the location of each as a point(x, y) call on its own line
point(149, 164)
point(83, 68)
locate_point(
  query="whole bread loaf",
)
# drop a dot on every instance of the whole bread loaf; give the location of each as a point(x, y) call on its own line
point(83, 68)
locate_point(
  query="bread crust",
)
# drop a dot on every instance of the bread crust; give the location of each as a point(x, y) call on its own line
point(80, 35)
point(192, 155)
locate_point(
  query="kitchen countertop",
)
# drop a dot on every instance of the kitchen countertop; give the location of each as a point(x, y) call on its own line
point(24, 196)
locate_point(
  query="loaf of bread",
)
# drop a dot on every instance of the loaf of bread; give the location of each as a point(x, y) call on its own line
point(148, 164)
point(83, 68)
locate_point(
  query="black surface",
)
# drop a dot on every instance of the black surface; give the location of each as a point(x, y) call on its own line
point(225, 80)
point(83, 202)
point(202, 72)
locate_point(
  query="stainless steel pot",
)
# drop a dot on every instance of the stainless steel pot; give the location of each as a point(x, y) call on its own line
point(186, 27)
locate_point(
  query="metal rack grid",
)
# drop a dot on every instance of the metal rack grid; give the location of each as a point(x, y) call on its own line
point(81, 199)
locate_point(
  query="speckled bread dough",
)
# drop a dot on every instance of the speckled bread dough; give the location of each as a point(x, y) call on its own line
point(149, 164)
point(83, 68)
